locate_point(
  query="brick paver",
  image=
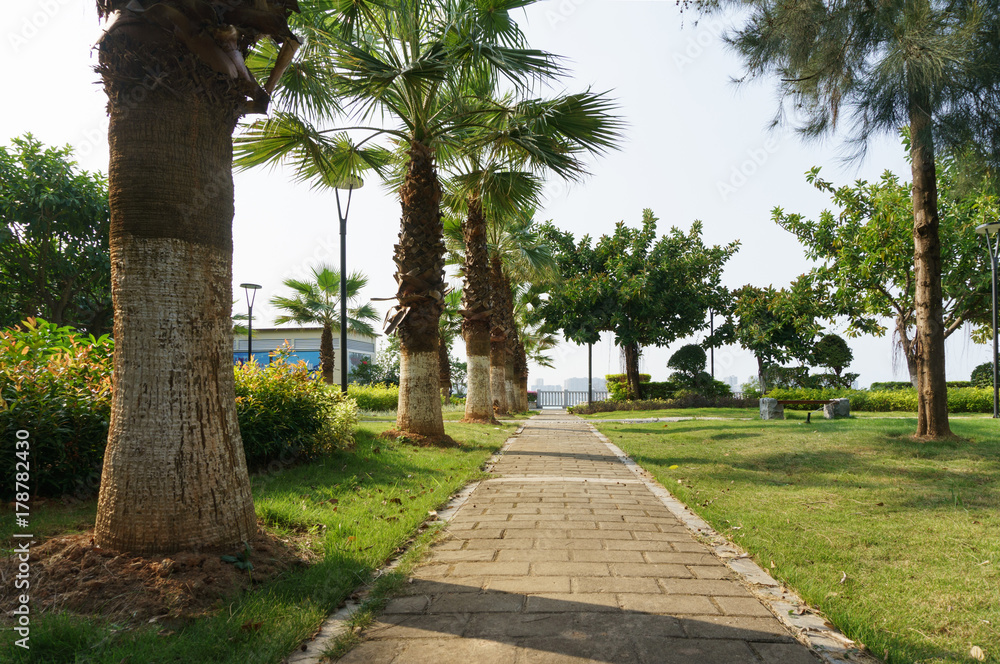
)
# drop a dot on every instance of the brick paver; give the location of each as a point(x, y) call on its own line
point(564, 556)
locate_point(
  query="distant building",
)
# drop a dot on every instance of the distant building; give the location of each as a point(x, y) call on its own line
point(731, 381)
point(579, 384)
point(304, 344)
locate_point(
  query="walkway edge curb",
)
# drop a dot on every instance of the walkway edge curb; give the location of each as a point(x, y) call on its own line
point(311, 650)
point(793, 612)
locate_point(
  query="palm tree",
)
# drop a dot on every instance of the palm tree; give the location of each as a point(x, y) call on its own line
point(495, 174)
point(406, 60)
point(317, 302)
point(174, 473)
point(926, 64)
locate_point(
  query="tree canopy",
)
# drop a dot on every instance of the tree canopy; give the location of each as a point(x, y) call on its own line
point(647, 291)
point(54, 256)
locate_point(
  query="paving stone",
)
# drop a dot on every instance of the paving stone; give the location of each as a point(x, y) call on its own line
point(669, 604)
point(683, 558)
point(491, 568)
point(521, 625)
point(633, 545)
point(488, 602)
point(461, 555)
point(607, 556)
point(784, 653)
point(712, 587)
point(612, 584)
point(650, 569)
point(531, 584)
point(534, 555)
point(578, 648)
point(653, 650)
point(569, 569)
point(430, 651)
point(373, 652)
point(742, 606)
point(736, 627)
point(412, 604)
point(445, 625)
point(561, 602)
point(574, 544)
point(711, 572)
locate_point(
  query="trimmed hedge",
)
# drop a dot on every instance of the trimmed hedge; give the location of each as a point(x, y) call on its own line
point(688, 401)
point(900, 385)
point(378, 397)
point(960, 399)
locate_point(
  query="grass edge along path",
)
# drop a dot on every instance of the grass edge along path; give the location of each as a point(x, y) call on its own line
point(896, 542)
point(355, 509)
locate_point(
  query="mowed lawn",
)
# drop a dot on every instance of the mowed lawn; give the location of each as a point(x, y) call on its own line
point(897, 542)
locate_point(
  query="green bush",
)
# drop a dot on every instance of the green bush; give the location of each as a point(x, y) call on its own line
point(374, 397)
point(622, 378)
point(56, 385)
point(982, 376)
point(684, 399)
point(285, 412)
point(960, 399)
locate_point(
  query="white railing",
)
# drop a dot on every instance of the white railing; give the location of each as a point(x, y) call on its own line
point(566, 398)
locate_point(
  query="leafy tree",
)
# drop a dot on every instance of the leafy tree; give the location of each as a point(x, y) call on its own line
point(982, 375)
point(689, 360)
point(54, 257)
point(174, 474)
point(317, 302)
point(407, 62)
point(926, 64)
point(865, 246)
point(832, 352)
point(775, 325)
point(647, 291)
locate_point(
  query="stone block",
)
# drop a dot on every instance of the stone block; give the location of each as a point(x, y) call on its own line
point(770, 409)
point(839, 408)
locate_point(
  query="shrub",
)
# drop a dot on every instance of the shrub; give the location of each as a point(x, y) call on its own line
point(688, 400)
point(982, 376)
point(960, 399)
point(375, 397)
point(532, 396)
point(622, 378)
point(56, 385)
point(286, 412)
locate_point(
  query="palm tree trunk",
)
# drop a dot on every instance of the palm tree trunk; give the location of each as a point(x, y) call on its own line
point(632, 369)
point(476, 316)
point(326, 355)
point(932, 390)
point(521, 376)
point(174, 473)
point(419, 260)
point(444, 370)
point(498, 341)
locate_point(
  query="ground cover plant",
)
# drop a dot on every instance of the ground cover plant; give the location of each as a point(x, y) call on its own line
point(897, 542)
point(347, 513)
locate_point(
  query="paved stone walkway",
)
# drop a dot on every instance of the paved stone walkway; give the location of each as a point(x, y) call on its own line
point(565, 556)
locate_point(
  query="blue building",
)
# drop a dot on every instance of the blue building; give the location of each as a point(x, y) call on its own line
point(304, 344)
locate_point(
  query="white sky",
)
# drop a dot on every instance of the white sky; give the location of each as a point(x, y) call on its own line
point(696, 147)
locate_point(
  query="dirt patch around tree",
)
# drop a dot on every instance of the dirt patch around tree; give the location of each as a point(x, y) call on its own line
point(417, 440)
point(69, 573)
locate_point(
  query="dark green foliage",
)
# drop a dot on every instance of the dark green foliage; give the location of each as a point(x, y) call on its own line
point(685, 401)
point(621, 378)
point(689, 360)
point(54, 256)
point(982, 376)
point(56, 385)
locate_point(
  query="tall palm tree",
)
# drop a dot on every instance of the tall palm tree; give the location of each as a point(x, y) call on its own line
point(497, 172)
point(317, 302)
point(930, 65)
point(406, 60)
point(174, 473)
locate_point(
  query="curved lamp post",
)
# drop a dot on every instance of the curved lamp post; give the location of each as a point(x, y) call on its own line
point(992, 234)
point(350, 183)
point(247, 289)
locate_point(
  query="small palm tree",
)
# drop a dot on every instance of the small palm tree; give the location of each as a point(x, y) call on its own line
point(317, 302)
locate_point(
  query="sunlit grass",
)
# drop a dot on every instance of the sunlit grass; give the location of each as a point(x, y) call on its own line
point(897, 542)
point(355, 509)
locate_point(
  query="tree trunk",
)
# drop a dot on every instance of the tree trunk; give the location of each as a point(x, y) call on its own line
point(174, 473)
point(521, 376)
point(632, 369)
point(761, 379)
point(326, 354)
point(932, 390)
point(444, 371)
point(476, 316)
point(498, 341)
point(419, 260)
point(908, 349)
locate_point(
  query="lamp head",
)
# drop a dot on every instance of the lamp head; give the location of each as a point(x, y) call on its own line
point(349, 182)
point(988, 229)
point(250, 286)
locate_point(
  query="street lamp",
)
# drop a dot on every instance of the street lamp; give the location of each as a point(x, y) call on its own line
point(350, 183)
point(992, 234)
point(247, 288)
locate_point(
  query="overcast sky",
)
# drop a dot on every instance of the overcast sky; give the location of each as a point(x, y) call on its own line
point(697, 146)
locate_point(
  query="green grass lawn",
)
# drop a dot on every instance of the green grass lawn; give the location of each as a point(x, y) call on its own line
point(897, 542)
point(383, 492)
point(675, 412)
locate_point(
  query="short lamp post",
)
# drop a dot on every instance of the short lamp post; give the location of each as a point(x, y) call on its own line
point(992, 234)
point(250, 290)
point(349, 183)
